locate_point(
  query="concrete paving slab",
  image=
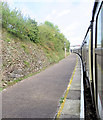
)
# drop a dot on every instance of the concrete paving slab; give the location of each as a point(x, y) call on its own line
point(74, 94)
point(67, 116)
point(72, 104)
point(75, 87)
point(71, 108)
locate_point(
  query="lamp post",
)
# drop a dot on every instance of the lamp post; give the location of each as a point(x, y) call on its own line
point(65, 48)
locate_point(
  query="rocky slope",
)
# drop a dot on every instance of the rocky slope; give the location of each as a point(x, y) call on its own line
point(20, 58)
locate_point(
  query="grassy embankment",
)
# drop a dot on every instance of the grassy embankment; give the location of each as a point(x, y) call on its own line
point(28, 48)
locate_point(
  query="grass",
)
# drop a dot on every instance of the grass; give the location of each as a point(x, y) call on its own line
point(1, 89)
point(8, 40)
point(53, 61)
point(62, 100)
point(25, 48)
point(29, 75)
point(52, 56)
point(26, 63)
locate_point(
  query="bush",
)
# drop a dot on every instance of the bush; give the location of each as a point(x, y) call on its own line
point(15, 23)
point(50, 35)
point(47, 35)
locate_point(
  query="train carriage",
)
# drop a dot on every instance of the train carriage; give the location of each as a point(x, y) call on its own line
point(92, 57)
point(98, 57)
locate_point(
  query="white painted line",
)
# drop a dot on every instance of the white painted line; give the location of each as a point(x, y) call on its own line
point(82, 92)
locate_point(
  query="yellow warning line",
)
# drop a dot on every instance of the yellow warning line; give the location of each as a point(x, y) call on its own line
point(62, 105)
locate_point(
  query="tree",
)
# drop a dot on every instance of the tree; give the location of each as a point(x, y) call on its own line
point(15, 23)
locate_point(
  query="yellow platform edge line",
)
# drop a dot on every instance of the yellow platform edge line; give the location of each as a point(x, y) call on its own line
point(62, 105)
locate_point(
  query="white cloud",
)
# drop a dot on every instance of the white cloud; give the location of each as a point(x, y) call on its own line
point(53, 12)
point(29, 0)
point(54, 15)
point(49, 18)
point(60, 1)
point(62, 13)
point(73, 26)
point(70, 30)
point(26, 12)
point(76, 40)
point(51, 1)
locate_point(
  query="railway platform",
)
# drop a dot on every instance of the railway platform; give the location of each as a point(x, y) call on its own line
point(73, 103)
point(32, 98)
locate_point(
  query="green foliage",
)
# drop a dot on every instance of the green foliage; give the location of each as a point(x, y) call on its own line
point(7, 40)
point(52, 25)
point(1, 89)
point(49, 24)
point(47, 35)
point(25, 48)
point(32, 30)
point(62, 100)
point(52, 40)
point(15, 23)
point(26, 63)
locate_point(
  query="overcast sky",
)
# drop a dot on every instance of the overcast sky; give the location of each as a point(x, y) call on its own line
point(72, 16)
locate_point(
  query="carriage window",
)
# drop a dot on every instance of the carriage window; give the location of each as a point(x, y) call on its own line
point(87, 38)
point(102, 26)
point(100, 29)
point(99, 58)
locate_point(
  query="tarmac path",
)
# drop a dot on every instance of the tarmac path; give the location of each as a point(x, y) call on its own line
point(38, 96)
